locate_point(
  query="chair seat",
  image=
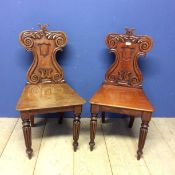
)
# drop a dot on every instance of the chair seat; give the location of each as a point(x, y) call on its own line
point(122, 97)
point(46, 96)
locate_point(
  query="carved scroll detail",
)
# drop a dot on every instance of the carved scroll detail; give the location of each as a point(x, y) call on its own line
point(127, 48)
point(45, 72)
point(34, 78)
point(44, 44)
point(60, 39)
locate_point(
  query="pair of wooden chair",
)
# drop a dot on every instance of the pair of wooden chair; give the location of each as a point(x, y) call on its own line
point(47, 92)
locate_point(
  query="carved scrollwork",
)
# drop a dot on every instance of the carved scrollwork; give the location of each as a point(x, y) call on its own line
point(27, 38)
point(34, 78)
point(45, 72)
point(127, 47)
point(124, 76)
point(145, 44)
point(44, 44)
point(134, 81)
point(59, 37)
point(28, 42)
point(112, 78)
point(57, 77)
point(112, 41)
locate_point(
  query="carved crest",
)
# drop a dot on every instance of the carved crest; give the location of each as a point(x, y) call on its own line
point(127, 48)
point(44, 44)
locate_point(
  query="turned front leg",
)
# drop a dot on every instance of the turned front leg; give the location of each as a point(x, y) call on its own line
point(60, 120)
point(93, 127)
point(76, 130)
point(103, 117)
point(27, 136)
point(143, 133)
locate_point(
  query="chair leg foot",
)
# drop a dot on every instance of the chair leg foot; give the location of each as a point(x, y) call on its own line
point(93, 126)
point(27, 136)
point(139, 154)
point(75, 146)
point(103, 117)
point(142, 138)
point(60, 120)
point(131, 122)
point(91, 144)
point(29, 153)
point(76, 130)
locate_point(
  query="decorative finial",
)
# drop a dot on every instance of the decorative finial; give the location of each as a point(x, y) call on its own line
point(43, 27)
point(129, 31)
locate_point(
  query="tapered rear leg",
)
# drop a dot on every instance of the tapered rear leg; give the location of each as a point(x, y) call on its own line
point(131, 121)
point(103, 117)
point(60, 120)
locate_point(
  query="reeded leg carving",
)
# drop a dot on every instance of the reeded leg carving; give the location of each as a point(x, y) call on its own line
point(60, 120)
point(103, 117)
point(32, 120)
point(131, 121)
point(27, 136)
point(76, 130)
point(142, 138)
point(93, 126)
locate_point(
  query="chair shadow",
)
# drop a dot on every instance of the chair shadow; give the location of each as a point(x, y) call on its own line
point(53, 128)
point(119, 127)
point(41, 122)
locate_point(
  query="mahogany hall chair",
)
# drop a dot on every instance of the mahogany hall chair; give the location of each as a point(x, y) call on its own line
point(46, 91)
point(122, 90)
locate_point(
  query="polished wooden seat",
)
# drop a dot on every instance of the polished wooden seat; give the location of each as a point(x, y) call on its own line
point(48, 96)
point(122, 90)
point(122, 97)
point(46, 90)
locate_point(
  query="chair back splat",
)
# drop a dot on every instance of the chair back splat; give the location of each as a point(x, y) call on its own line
point(44, 44)
point(127, 48)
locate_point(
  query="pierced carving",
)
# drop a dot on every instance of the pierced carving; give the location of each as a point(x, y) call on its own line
point(45, 72)
point(44, 44)
point(127, 48)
